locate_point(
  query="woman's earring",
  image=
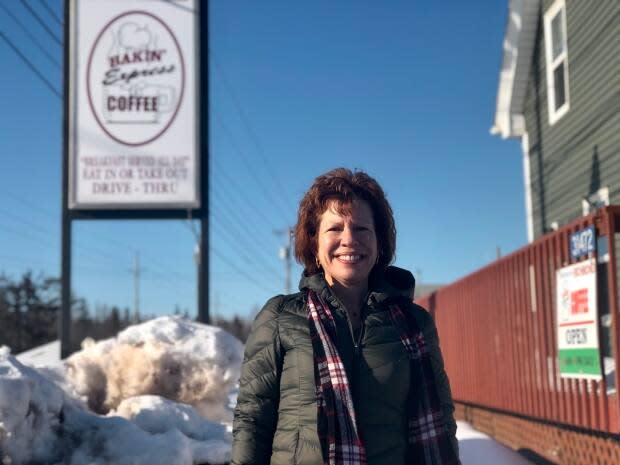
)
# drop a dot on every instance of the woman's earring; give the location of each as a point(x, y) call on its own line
point(318, 264)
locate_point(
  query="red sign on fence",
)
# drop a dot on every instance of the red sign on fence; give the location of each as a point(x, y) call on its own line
point(579, 301)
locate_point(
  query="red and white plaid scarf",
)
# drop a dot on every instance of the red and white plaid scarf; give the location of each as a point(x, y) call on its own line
point(429, 440)
point(337, 429)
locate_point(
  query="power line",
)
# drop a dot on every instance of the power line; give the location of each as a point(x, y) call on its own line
point(42, 230)
point(250, 278)
point(34, 69)
point(51, 87)
point(30, 65)
point(245, 120)
point(245, 161)
point(51, 12)
point(22, 260)
point(47, 243)
point(181, 277)
point(43, 264)
point(239, 192)
point(180, 7)
point(237, 241)
point(228, 235)
point(31, 36)
point(242, 224)
point(41, 22)
point(241, 254)
point(239, 247)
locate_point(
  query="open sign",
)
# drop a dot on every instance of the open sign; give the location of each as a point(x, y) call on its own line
point(583, 242)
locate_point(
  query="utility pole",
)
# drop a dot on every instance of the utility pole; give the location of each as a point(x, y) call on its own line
point(136, 287)
point(216, 306)
point(286, 255)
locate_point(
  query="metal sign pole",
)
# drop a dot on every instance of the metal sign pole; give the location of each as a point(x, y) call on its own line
point(159, 213)
point(64, 320)
point(203, 273)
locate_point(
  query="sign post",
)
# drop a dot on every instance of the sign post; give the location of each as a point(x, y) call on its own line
point(135, 120)
point(577, 321)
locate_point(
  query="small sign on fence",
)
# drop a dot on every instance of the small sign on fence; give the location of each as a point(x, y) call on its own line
point(577, 321)
point(583, 243)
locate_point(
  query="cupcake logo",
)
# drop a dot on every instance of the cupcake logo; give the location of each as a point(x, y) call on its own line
point(135, 78)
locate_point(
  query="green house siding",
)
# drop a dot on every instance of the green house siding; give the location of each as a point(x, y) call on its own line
point(580, 153)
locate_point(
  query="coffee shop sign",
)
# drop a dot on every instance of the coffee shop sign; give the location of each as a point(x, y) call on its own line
point(135, 78)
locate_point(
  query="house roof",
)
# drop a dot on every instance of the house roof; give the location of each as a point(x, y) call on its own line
point(517, 58)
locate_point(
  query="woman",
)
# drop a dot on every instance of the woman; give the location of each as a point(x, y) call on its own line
point(348, 370)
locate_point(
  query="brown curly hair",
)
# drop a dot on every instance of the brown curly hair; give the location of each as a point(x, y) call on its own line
point(343, 186)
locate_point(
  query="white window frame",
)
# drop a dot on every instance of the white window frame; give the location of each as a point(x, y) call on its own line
point(558, 7)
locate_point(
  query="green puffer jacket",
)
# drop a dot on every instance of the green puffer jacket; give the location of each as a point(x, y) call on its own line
point(276, 415)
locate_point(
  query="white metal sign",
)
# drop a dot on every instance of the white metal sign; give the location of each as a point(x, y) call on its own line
point(134, 92)
point(577, 321)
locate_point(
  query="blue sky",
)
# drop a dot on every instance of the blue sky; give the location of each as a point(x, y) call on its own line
point(404, 90)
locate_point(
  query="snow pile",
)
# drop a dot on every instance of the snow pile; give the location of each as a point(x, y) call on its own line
point(165, 388)
point(172, 357)
point(45, 355)
point(30, 408)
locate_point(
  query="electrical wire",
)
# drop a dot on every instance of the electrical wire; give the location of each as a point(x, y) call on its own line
point(250, 278)
point(30, 65)
point(247, 164)
point(237, 242)
point(51, 13)
point(160, 265)
point(244, 118)
point(231, 213)
point(238, 192)
point(50, 86)
point(180, 7)
point(39, 20)
point(246, 123)
point(31, 36)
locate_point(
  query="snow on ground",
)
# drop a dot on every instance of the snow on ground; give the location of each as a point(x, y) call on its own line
point(159, 393)
point(476, 448)
point(44, 355)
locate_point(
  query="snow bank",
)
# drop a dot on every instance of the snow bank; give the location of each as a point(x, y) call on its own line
point(165, 388)
point(30, 408)
point(172, 357)
point(45, 355)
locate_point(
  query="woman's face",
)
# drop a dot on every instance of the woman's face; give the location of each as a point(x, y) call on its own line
point(347, 245)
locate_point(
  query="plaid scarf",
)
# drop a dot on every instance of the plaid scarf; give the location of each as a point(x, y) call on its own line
point(429, 440)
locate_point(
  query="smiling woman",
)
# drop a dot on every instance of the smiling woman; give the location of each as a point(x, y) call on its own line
point(348, 370)
point(347, 252)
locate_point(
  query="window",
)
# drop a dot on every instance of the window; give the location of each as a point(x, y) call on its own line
point(556, 54)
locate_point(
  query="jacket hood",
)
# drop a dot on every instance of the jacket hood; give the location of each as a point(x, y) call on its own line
point(383, 285)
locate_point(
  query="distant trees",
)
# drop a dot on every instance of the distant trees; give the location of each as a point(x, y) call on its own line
point(30, 311)
point(237, 326)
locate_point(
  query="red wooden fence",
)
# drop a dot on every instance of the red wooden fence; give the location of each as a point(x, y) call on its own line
point(497, 328)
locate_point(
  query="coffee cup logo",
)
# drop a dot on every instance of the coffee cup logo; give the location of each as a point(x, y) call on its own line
point(135, 78)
